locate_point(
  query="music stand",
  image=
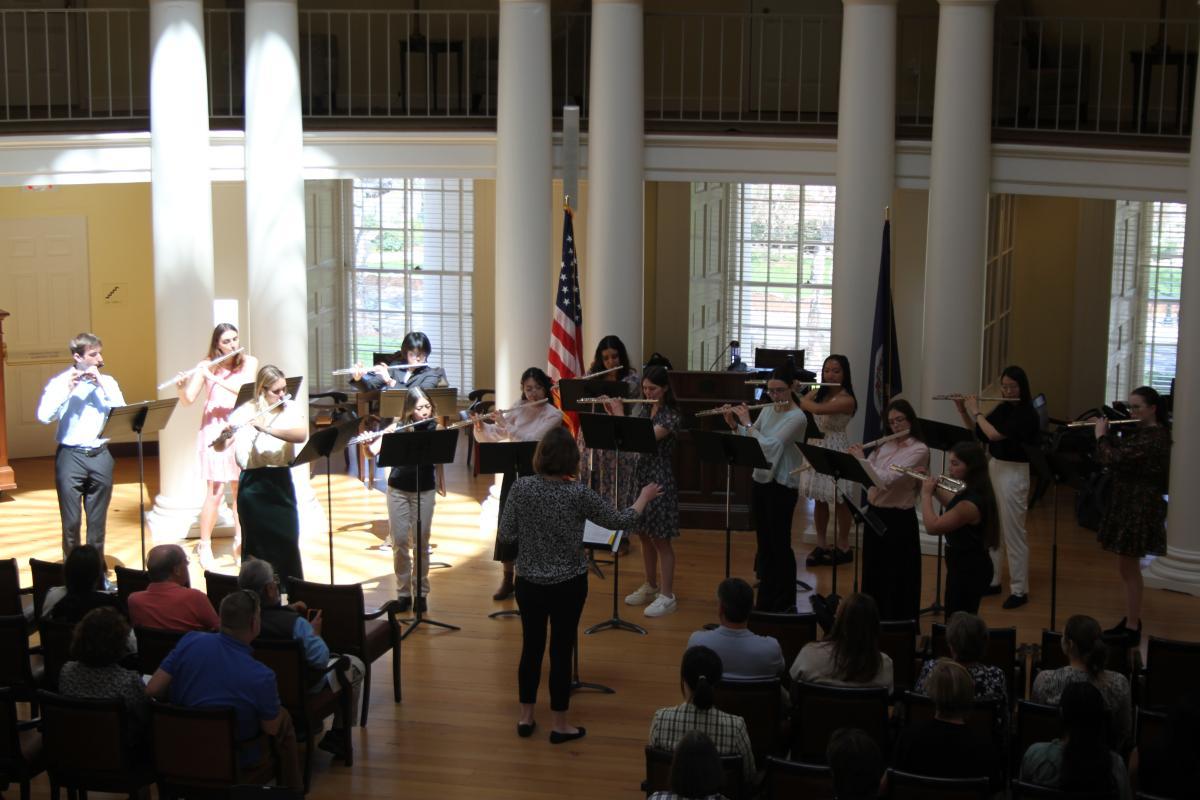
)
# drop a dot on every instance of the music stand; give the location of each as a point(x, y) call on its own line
point(863, 515)
point(941, 436)
point(1065, 467)
point(619, 434)
point(770, 358)
point(732, 450)
point(391, 402)
point(509, 458)
point(246, 393)
point(323, 444)
point(148, 416)
point(418, 449)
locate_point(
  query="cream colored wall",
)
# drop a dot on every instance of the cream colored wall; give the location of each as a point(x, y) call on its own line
point(668, 223)
point(1093, 294)
point(229, 247)
point(909, 213)
point(119, 251)
point(484, 285)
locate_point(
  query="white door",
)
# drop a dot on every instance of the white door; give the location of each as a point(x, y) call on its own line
point(44, 284)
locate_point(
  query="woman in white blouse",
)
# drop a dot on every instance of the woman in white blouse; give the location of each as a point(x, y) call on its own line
point(777, 429)
point(265, 434)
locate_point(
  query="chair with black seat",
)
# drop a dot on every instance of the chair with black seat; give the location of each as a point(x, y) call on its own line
point(1022, 790)
point(175, 732)
point(1170, 673)
point(21, 755)
point(819, 710)
point(294, 677)
point(56, 649)
point(1036, 722)
point(760, 704)
point(88, 747)
point(44, 575)
point(658, 773)
point(792, 631)
point(982, 719)
point(898, 638)
point(349, 627)
point(1001, 652)
point(906, 786)
point(217, 585)
point(479, 405)
point(13, 599)
point(1051, 656)
point(1151, 727)
point(153, 646)
point(130, 581)
point(786, 780)
point(21, 666)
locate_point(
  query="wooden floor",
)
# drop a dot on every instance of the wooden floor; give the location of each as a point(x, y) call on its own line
point(453, 736)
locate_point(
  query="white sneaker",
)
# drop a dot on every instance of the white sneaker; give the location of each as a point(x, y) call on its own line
point(641, 595)
point(661, 606)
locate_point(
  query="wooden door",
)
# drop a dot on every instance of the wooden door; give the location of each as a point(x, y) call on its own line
point(323, 223)
point(706, 288)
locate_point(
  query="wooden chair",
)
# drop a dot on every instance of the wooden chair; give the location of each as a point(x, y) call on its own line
point(1170, 673)
point(21, 756)
point(792, 631)
point(153, 646)
point(45, 576)
point(819, 710)
point(216, 586)
point(982, 719)
point(176, 730)
point(1051, 655)
point(906, 786)
point(130, 581)
point(56, 649)
point(349, 627)
point(658, 773)
point(898, 638)
point(88, 747)
point(21, 666)
point(294, 678)
point(1036, 722)
point(1151, 729)
point(1031, 791)
point(760, 704)
point(12, 596)
point(787, 780)
point(1001, 652)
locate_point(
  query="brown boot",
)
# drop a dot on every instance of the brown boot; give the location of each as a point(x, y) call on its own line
point(506, 587)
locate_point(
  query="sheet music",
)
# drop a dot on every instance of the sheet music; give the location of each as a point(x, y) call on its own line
point(596, 536)
point(871, 473)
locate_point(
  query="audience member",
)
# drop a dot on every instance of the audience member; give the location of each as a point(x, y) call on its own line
point(169, 603)
point(849, 655)
point(967, 638)
point(94, 671)
point(83, 589)
point(856, 764)
point(1081, 760)
point(219, 669)
point(1087, 653)
point(695, 770)
point(288, 622)
point(746, 655)
point(700, 671)
point(1169, 768)
point(945, 747)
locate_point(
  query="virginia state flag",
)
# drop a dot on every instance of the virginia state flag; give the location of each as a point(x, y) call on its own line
point(885, 353)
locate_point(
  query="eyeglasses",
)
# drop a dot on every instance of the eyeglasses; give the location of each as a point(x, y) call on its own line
point(779, 390)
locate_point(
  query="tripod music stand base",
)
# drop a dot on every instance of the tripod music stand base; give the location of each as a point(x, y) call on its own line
point(584, 686)
point(936, 608)
point(802, 586)
point(507, 612)
point(617, 624)
point(415, 621)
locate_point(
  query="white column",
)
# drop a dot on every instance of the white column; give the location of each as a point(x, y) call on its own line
point(866, 174)
point(959, 175)
point(524, 211)
point(612, 293)
point(1180, 568)
point(181, 208)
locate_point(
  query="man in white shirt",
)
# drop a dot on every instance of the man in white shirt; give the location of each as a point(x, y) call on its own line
point(79, 400)
point(745, 656)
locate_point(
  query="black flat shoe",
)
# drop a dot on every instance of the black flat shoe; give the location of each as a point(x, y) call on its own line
point(404, 603)
point(1015, 601)
point(842, 556)
point(559, 738)
point(525, 731)
point(992, 591)
point(422, 604)
point(818, 557)
point(1120, 629)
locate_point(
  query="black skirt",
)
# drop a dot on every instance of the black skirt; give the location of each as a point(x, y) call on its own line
point(270, 525)
point(504, 551)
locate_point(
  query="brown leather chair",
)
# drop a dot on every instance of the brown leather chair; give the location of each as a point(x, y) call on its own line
point(819, 710)
point(176, 730)
point(1036, 722)
point(658, 773)
point(130, 581)
point(1029, 791)
point(898, 638)
point(1171, 669)
point(760, 704)
point(12, 596)
point(792, 631)
point(21, 755)
point(88, 746)
point(56, 649)
point(216, 586)
point(982, 719)
point(347, 626)
point(153, 646)
point(906, 786)
point(787, 780)
point(45, 575)
point(21, 666)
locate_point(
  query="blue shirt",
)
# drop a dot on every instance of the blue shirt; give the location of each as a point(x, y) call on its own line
point(82, 412)
point(215, 669)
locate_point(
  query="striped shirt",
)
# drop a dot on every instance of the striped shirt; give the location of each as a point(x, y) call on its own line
point(728, 732)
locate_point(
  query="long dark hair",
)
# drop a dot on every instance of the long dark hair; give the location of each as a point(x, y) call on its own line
point(1017, 374)
point(696, 767)
point(847, 384)
point(855, 639)
point(905, 408)
point(1083, 636)
point(1153, 398)
point(700, 671)
point(540, 377)
point(214, 350)
point(786, 374)
point(611, 342)
point(659, 377)
point(414, 396)
point(977, 480)
point(1086, 760)
point(415, 340)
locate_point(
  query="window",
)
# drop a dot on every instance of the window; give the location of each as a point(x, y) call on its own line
point(997, 301)
point(780, 278)
point(412, 244)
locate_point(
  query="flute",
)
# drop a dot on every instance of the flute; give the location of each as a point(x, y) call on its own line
point(984, 398)
point(462, 423)
point(626, 400)
point(1087, 423)
point(193, 370)
point(352, 370)
point(818, 385)
point(597, 374)
point(371, 436)
point(952, 485)
point(890, 437)
point(712, 412)
point(228, 433)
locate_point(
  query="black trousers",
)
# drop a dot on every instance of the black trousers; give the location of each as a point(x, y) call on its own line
point(270, 523)
point(504, 551)
point(83, 474)
point(774, 505)
point(561, 604)
point(968, 574)
point(891, 564)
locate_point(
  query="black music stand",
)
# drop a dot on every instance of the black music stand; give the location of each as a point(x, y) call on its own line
point(732, 450)
point(246, 393)
point(863, 515)
point(323, 444)
point(1067, 470)
point(148, 416)
point(619, 434)
point(418, 449)
point(509, 458)
point(941, 436)
point(578, 684)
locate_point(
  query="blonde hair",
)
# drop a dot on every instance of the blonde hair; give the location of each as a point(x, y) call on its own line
point(267, 374)
point(951, 688)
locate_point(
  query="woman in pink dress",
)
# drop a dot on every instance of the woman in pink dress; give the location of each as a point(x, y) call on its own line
point(223, 381)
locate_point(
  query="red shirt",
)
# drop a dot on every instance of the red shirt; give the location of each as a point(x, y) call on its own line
point(169, 606)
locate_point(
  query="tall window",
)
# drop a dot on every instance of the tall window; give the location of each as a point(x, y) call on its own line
point(412, 261)
point(780, 281)
point(997, 301)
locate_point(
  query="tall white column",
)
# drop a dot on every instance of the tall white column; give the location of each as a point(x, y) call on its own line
point(1180, 568)
point(612, 297)
point(866, 175)
point(524, 211)
point(959, 175)
point(181, 208)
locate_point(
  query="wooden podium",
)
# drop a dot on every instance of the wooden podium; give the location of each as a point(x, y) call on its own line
point(8, 480)
point(702, 485)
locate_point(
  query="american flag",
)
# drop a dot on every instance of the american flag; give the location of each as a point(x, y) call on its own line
point(565, 357)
